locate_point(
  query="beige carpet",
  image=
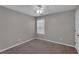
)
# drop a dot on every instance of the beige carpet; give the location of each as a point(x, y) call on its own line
point(37, 46)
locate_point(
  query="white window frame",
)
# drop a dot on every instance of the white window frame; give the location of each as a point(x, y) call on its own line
point(40, 25)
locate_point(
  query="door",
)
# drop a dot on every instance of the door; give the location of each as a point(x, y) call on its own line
point(77, 30)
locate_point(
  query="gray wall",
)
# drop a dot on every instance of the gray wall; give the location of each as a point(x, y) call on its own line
point(60, 27)
point(15, 27)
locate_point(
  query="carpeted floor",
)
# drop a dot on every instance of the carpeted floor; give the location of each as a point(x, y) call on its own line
point(38, 46)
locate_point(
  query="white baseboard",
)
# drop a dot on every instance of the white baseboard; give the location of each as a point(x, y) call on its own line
point(16, 45)
point(33, 39)
point(56, 42)
point(77, 49)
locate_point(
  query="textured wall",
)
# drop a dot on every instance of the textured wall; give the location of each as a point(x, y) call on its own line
point(15, 27)
point(60, 27)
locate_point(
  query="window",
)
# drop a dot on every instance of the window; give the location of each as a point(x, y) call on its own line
point(40, 25)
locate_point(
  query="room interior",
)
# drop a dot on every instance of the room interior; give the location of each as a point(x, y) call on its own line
point(39, 29)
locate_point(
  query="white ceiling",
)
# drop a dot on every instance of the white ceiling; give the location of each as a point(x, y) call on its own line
point(48, 9)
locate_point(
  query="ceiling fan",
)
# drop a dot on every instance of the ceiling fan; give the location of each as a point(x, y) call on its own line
point(40, 9)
